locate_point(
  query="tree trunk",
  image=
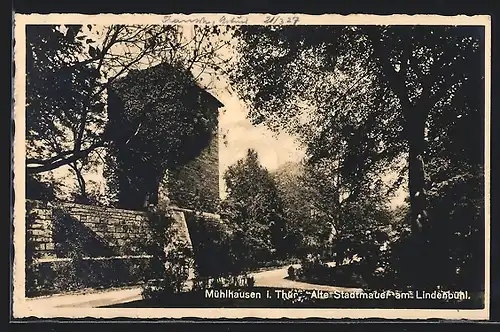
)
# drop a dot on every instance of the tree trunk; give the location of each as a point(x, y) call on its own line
point(416, 177)
point(419, 259)
point(81, 181)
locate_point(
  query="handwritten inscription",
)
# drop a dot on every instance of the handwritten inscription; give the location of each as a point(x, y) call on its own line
point(169, 19)
point(279, 20)
point(232, 20)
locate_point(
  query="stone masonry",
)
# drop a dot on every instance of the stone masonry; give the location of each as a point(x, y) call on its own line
point(111, 245)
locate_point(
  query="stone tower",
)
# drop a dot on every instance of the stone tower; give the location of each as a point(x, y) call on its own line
point(187, 175)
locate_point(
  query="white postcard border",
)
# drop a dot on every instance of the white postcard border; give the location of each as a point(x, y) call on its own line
point(22, 307)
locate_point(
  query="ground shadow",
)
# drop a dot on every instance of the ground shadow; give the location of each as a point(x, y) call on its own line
point(72, 238)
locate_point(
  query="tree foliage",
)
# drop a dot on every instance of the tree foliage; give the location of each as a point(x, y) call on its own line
point(337, 228)
point(307, 231)
point(212, 242)
point(363, 99)
point(58, 98)
point(255, 210)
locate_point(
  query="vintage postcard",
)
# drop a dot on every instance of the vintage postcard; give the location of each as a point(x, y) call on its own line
point(267, 166)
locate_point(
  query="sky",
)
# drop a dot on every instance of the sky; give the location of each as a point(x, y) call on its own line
point(237, 135)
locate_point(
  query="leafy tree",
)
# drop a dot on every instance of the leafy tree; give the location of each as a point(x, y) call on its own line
point(306, 232)
point(57, 99)
point(254, 209)
point(353, 224)
point(60, 98)
point(365, 98)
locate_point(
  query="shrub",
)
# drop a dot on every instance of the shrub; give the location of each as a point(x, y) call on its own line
point(212, 248)
point(174, 276)
point(313, 266)
point(314, 270)
point(239, 281)
point(172, 261)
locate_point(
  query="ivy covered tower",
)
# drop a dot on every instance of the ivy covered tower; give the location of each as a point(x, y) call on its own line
point(164, 150)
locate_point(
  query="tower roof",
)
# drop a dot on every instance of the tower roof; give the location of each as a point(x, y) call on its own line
point(163, 69)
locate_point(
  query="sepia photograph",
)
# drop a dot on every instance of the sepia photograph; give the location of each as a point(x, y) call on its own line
point(269, 166)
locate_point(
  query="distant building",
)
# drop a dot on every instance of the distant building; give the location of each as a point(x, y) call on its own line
point(187, 174)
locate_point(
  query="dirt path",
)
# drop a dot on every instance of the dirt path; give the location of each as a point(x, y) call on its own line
point(92, 299)
point(276, 278)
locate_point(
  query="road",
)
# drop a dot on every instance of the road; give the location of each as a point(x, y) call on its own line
point(91, 299)
point(271, 278)
point(276, 278)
